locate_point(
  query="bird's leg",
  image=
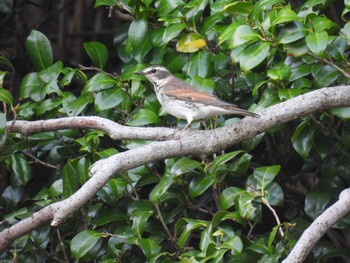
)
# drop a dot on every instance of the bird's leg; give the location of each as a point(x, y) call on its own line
point(187, 125)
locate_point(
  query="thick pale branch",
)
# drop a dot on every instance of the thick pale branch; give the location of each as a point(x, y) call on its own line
point(184, 143)
point(319, 227)
point(114, 130)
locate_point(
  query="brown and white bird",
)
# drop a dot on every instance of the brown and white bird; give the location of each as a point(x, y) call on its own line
point(184, 101)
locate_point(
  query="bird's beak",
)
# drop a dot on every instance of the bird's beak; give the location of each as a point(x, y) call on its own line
point(139, 73)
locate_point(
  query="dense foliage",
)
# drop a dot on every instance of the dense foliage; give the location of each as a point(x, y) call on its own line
point(221, 208)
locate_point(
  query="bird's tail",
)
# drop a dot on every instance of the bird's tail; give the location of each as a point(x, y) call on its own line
point(238, 111)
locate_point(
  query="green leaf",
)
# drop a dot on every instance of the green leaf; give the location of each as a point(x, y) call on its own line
point(137, 33)
point(343, 113)
point(99, 82)
point(228, 32)
point(285, 15)
point(110, 98)
point(165, 6)
point(109, 216)
point(302, 139)
point(200, 183)
point(190, 43)
point(291, 33)
point(139, 212)
point(238, 8)
point(85, 243)
point(272, 237)
point(160, 189)
point(299, 71)
point(48, 105)
point(187, 225)
point(274, 194)
point(246, 207)
point(316, 203)
point(203, 84)
point(200, 65)
point(222, 159)
point(97, 52)
point(243, 35)
point(260, 7)
point(297, 48)
point(262, 177)
point(105, 2)
point(228, 197)
point(6, 62)
point(149, 247)
point(22, 171)
point(78, 106)
point(173, 31)
point(184, 165)
point(70, 178)
point(279, 73)
point(235, 244)
point(317, 42)
point(32, 87)
point(253, 55)
point(39, 50)
point(6, 96)
point(144, 117)
point(324, 75)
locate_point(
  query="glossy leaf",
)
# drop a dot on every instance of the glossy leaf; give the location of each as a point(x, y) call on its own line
point(200, 183)
point(316, 203)
point(324, 75)
point(186, 226)
point(238, 8)
point(285, 15)
point(317, 42)
point(184, 165)
point(39, 50)
point(110, 98)
point(149, 247)
point(6, 96)
point(70, 178)
point(302, 138)
point(137, 33)
point(253, 55)
point(144, 117)
point(262, 177)
point(291, 33)
point(222, 159)
point(97, 52)
point(228, 196)
point(173, 31)
point(98, 82)
point(22, 171)
point(85, 242)
point(243, 35)
point(190, 43)
point(78, 106)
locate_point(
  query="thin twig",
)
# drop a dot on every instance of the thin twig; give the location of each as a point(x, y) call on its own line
point(62, 245)
point(30, 155)
point(265, 202)
point(163, 223)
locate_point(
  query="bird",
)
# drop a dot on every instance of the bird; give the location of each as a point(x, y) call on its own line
point(184, 101)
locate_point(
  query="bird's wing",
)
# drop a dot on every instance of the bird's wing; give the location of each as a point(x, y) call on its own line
point(194, 95)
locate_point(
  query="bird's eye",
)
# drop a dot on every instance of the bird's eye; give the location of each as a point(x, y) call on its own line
point(153, 71)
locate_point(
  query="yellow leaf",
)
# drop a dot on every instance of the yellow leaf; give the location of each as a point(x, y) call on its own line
point(190, 43)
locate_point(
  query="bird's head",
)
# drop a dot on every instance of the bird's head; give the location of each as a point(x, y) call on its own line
point(156, 74)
